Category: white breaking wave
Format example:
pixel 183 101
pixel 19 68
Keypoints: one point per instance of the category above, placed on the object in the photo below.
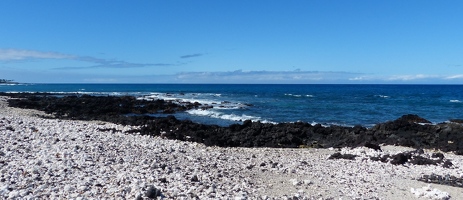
pixel 455 101
pixel 231 117
pixel 194 97
pixel 76 93
pixel 298 95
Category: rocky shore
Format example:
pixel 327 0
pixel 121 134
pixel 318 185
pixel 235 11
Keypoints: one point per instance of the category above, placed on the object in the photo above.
pixel 409 130
pixel 46 155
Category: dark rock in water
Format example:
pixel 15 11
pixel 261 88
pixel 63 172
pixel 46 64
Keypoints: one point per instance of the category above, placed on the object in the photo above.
pixel 459 121
pixel 88 107
pixel 413 119
pixel 342 156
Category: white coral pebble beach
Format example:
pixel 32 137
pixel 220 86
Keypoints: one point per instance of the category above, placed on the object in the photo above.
pixel 62 159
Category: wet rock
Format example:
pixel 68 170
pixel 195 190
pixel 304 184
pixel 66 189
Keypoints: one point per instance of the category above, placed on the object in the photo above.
pixel 413 119
pixel 459 121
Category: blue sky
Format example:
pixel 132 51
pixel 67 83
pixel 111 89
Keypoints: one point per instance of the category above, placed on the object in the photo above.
pixel 237 41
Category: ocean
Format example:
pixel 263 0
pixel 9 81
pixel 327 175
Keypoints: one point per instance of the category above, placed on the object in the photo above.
pixel 345 105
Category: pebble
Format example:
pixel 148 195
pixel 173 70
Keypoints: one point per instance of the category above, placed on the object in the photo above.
pixel 63 159
pixel 428 192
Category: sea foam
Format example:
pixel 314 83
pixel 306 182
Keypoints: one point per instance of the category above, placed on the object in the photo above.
pixel 230 117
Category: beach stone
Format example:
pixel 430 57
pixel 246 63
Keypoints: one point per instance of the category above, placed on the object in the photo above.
pixel 307 182
pixel 68 188
pixel 241 196
pixel 338 155
pixel 152 192
pixel 295 182
pixel 399 159
pixel 447 164
pixel 428 192
pixel 194 178
pixel 13 194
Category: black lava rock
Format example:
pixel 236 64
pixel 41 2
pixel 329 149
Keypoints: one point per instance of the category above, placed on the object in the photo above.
pixel 194 178
pixel 342 156
pixel 399 159
pixel 442 180
pixel 152 192
pixel 373 146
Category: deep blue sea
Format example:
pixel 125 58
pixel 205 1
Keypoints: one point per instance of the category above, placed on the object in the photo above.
pixel 345 105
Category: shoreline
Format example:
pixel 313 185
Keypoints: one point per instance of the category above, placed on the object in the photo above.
pixel 366 105
pixel 59 158
pixel 409 130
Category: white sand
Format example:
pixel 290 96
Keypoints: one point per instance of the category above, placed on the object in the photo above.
pixel 61 159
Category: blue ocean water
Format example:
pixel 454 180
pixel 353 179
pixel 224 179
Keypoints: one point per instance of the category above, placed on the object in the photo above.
pixel 345 105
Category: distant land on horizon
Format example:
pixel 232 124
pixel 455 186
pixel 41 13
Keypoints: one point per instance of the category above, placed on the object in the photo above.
pixel 6 81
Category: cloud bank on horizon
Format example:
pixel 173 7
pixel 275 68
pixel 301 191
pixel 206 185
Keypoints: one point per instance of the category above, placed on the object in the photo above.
pixel 300 42
pixel 296 76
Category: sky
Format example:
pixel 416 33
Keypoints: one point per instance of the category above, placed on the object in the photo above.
pixel 232 41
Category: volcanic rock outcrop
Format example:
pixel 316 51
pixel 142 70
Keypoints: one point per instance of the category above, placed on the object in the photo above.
pixel 408 130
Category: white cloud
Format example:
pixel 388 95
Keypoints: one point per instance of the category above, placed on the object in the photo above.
pixel 20 54
pixel 313 76
pixel 457 76
pixel 299 76
pixel 24 55
pixel 408 78
pixel 240 76
pixel 362 78
pixel 411 77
